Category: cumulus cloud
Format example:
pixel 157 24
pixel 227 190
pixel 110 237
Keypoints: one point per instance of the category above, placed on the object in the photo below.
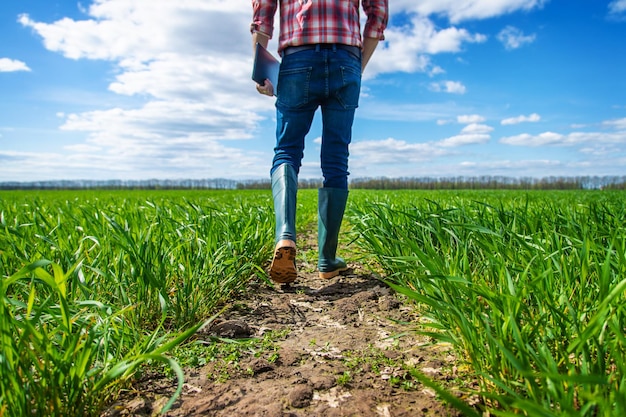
pixel 601 151
pixel 452 87
pixel 547 167
pixel 408 48
pixel 139 31
pixel 558 139
pixel 525 139
pixel 521 119
pixel 616 124
pixel 504 165
pixel 12 65
pixel 606 149
pixel 93 162
pixel 366 155
pixel 189 65
pixel 513 38
pixel 465 139
pixel 617 7
pixel 472 134
pixel 460 10
pixel 530 167
pixel 470 118
pixel 391 151
pixel 407 112
pixel 436 70
pixel 477 128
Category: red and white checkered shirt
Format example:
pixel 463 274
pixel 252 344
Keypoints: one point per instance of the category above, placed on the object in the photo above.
pixel 306 22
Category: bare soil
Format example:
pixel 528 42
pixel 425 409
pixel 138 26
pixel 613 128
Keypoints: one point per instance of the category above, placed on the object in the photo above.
pixel 345 352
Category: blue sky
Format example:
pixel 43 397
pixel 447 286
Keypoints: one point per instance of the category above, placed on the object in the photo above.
pixel 133 89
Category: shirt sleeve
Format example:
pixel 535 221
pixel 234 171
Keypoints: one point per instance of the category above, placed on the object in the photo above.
pixel 263 12
pixel 377 12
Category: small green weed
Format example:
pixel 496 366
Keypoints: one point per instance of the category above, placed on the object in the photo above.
pixel 344 379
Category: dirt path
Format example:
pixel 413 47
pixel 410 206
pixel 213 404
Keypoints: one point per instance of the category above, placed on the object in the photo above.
pixel 338 357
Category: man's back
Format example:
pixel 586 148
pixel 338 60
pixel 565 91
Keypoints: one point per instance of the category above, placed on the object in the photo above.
pixel 309 22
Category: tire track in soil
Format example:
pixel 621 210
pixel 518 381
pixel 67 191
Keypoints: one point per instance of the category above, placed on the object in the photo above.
pixel 328 322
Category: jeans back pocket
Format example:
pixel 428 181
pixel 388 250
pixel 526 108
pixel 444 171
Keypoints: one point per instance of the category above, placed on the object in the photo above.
pixel 293 86
pixel 349 93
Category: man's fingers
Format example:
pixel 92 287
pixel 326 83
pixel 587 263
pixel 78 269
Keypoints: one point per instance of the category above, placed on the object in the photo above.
pixel 267 88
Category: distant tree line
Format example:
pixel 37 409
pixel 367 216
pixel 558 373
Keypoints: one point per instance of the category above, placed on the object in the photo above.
pixel 492 182
pixel 482 182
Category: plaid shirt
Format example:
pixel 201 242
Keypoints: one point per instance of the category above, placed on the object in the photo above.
pixel 306 22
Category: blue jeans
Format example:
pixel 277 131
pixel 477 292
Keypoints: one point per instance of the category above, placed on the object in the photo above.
pixel 326 78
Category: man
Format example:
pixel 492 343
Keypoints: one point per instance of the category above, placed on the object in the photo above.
pixel 323 56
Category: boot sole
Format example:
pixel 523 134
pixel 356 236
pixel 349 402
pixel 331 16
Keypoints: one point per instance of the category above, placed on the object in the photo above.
pixel 332 274
pixel 283 269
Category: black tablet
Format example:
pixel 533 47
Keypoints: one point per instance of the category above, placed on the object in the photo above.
pixel 265 67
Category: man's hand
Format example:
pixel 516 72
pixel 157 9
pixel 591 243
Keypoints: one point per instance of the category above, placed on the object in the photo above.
pixel 266 89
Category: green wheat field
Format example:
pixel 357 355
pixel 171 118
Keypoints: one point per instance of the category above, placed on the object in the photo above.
pixel 529 287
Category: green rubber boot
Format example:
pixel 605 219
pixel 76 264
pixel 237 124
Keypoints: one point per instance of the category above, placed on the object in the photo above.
pixel 331 206
pixel 284 190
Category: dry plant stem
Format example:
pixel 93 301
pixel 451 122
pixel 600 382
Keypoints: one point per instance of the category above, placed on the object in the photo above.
pixel 283 269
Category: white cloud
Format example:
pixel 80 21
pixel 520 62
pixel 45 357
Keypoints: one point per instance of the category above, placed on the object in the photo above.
pixel 407 48
pixel 617 7
pixel 369 153
pixel 616 124
pixel 407 112
pixel 189 65
pixel 122 29
pixel 164 119
pixel 513 38
pixel 12 65
pixel 525 139
pixel 436 70
pixel 464 139
pixel 185 157
pixel 521 119
pixel 472 134
pixel 402 158
pixel 460 10
pixel 452 87
pixel 169 135
pixel 575 138
pixel 470 118
pixel 83 148
pixel 391 151
pixel 520 167
pixel 477 128
pixel 601 150
pixel 544 167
